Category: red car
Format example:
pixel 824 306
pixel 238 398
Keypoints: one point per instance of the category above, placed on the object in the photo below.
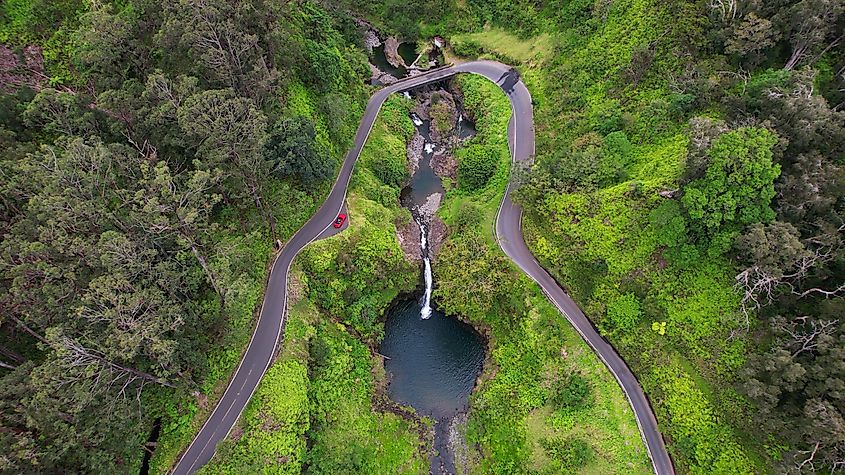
pixel 339 221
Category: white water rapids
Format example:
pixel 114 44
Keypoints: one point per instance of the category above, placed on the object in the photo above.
pixel 425 312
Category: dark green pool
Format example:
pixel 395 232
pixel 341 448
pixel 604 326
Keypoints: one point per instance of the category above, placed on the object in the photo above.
pixel 433 363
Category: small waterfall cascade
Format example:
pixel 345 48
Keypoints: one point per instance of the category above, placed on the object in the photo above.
pixel 425 312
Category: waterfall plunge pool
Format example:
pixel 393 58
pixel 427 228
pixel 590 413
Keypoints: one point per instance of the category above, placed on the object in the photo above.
pixel 433 362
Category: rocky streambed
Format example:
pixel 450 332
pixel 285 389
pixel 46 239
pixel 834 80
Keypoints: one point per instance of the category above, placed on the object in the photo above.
pixel 434 359
pixel 440 127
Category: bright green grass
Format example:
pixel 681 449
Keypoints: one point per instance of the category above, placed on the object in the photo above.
pixel 608 425
pixel 347 435
pixel 500 41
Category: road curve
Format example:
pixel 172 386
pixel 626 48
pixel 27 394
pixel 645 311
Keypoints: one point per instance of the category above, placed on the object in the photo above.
pixel 265 338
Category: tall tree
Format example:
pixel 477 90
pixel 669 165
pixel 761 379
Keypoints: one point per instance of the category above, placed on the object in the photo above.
pixel 61 113
pixel 738 185
pixel 798 387
pixel 810 24
pixel 293 150
pixel 229 133
pixel 179 206
pixel 224 40
pixel 107 50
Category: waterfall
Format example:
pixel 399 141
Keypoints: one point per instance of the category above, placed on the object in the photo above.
pixel 425 312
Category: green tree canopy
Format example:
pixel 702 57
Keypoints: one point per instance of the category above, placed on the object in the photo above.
pixel 476 164
pixel 738 186
pixel 293 150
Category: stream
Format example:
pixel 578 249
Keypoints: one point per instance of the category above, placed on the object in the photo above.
pixel 379 59
pixel 433 360
pixel 408 52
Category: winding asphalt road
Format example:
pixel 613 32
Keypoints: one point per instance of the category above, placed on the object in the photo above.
pixel 262 345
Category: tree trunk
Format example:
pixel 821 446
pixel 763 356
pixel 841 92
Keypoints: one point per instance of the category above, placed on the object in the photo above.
pixel 212 277
pixel 84 357
pixel 831 45
pixel 797 55
pixel 29 330
pixel 7 366
pixel 12 354
pixel 271 220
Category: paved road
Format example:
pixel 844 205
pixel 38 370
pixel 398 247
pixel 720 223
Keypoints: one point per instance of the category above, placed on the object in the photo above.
pixel 509 235
pixel 264 340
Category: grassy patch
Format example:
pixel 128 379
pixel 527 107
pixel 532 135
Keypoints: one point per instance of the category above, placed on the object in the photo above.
pixel 347 436
pixel 606 423
pixel 501 43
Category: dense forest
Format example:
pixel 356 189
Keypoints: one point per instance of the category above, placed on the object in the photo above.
pixel 152 152
pixel 688 191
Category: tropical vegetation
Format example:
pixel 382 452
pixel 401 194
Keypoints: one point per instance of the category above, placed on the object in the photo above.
pixel 687 191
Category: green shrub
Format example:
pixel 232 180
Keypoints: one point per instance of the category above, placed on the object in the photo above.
pixel 669 224
pixel 572 392
pixel 391 170
pixel 476 164
pixel 469 263
pixel 468 216
pixel 623 313
pixel 738 186
pixel 683 256
pixel 571 453
pixel 467 47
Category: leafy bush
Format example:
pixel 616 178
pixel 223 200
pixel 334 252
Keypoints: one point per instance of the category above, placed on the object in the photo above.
pixel 469 263
pixel 467 47
pixel 390 169
pixel 669 224
pixel 570 454
pixel 275 424
pixel 738 185
pixel 385 152
pixel 292 148
pixel 623 312
pixel 468 216
pixel 616 152
pixel 572 392
pixel 476 165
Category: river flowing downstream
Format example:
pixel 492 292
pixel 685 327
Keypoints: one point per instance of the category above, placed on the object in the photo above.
pixel 433 360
